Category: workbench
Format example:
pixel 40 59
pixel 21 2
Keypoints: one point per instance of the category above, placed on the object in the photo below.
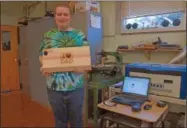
pixel 115 91
pixel 123 115
pixel 97 83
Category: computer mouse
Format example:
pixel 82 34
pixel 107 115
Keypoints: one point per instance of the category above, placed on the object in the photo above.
pixel 147 107
pixel 161 104
pixel 136 107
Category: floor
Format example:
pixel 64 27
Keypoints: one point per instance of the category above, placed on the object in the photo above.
pixel 17 110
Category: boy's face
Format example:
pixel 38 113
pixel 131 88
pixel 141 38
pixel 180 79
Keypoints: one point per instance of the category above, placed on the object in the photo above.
pixel 62 17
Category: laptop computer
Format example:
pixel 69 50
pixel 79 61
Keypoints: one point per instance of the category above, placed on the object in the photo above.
pixel 134 90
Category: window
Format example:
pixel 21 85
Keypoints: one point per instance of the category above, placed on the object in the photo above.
pixel 153 21
pixel 154 16
pixel 6 43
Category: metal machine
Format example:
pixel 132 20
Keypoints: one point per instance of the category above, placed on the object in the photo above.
pixel 108 69
pixel 166 80
pixel 119 58
pixel 103 75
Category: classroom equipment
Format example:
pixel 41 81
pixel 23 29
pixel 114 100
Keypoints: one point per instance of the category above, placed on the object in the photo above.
pixel 166 80
pixel 135 91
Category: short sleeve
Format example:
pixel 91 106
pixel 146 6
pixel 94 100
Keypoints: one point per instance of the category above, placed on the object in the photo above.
pixel 84 39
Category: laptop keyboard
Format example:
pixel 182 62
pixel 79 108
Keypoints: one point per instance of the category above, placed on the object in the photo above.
pixel 127 100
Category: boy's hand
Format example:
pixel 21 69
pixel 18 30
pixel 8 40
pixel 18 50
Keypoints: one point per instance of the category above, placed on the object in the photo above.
pixel 44 73
pixel 78 70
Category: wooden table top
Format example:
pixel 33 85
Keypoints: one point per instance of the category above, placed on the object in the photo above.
pixel 151 115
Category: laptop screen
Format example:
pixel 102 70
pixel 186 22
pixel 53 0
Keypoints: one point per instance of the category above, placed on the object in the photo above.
pixel 136 85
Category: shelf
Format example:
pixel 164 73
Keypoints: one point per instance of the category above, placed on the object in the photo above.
pixel 167 50
pixel 148 51
pixel 155 30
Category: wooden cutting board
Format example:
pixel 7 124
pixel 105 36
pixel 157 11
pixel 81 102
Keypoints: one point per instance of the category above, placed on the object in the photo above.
pixel 66 59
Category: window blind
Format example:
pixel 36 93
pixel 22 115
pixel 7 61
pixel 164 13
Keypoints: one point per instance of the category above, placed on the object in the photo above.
pixel 141 8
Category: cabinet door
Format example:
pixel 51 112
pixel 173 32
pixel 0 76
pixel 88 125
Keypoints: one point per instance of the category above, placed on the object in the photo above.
pixel 9 59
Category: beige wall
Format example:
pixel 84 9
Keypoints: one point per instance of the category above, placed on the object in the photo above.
pixel 10 12
pixel 8 20
pixel 110 40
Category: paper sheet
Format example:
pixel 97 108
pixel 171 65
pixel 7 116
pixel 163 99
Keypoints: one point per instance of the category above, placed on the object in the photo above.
pixel 95 21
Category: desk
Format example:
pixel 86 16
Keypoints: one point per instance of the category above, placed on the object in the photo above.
pixel 114 91
pixel 150 117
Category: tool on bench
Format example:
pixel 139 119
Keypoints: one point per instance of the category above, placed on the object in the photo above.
pixel 123 47
pixel 161 104
pixel 165 45
pixel 147 107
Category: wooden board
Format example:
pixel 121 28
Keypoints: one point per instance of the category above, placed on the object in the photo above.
pixel 66 59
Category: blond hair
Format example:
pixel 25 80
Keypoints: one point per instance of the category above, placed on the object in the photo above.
pixel 64 6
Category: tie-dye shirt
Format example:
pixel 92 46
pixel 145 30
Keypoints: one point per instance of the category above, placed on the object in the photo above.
pixel 65 81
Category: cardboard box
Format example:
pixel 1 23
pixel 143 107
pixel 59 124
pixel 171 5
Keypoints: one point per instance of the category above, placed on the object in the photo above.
pixel 66 59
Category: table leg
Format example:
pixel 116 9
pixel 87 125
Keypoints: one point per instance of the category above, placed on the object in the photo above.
pixel 185 120
pixel 95 108
pixel 146 125
pixel 102 123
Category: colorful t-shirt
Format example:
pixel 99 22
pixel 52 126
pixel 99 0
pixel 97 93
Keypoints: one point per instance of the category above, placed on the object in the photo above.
pixel 54 38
